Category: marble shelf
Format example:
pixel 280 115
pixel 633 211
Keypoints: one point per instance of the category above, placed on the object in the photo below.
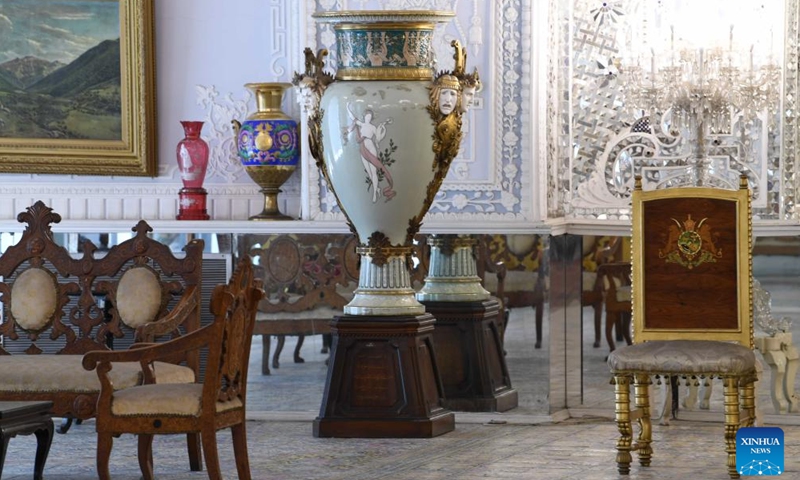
pixel 557 226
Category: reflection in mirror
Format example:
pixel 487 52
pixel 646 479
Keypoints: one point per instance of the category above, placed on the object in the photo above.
pixel 309 277
pixel 776 271
pixel 599 335
pixel 526 294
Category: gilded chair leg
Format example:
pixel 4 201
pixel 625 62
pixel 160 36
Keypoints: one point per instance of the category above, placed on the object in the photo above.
pixel 642 397
pixel 146 456
pixel 731 402
pixel 195 454
pixel 623 415
pixel 239 434
pixel 209 440
pixel 749 402
pixel 104 443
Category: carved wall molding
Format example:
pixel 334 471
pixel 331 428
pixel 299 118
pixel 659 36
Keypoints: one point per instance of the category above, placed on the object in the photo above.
pixel 126 201
pixel 595 145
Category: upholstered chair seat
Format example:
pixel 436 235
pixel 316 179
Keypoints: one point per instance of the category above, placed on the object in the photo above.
pixel 683 357
pixel 165 399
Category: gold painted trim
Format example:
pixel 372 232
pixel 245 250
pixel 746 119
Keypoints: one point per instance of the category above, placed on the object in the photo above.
pixel 387 251
pixel 378 14
pixel 385 73
pixel 383 293
pixel 455 242
pixel 272 167
pixel 422 26
pixel 744 333
pixel 135 153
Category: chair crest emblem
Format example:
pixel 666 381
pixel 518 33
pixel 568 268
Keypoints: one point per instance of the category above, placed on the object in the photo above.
pixel 690 243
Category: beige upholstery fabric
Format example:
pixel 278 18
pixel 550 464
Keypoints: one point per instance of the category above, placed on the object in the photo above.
pixel 65 373
pixel 624 294
pixel 588 280
pixel 683 357
pixel 171 373
pixel 33 298
pixel 138 296
pixel 164 399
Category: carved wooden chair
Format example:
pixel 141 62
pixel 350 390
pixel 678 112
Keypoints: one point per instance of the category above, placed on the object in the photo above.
pixel 219 402
pixel 692 308
pixel 597 251
pixel 615 281
pixel 521 276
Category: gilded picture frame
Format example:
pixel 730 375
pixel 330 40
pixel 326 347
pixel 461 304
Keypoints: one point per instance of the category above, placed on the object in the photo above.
pixel 74 115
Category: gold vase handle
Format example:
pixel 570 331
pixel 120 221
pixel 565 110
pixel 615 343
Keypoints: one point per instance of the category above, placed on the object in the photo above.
pixel 237 125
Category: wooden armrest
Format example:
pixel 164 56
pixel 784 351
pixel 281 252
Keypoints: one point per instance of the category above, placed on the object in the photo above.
pixel 157 351
pixel 187 304
pixel 618 270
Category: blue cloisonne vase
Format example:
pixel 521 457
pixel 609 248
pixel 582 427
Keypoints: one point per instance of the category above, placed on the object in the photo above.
pixel 268 146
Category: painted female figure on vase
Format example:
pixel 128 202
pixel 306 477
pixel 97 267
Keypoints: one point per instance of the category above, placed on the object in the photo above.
pixel 369 136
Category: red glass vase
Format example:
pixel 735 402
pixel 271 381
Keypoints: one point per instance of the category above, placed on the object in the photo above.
pixel 192 154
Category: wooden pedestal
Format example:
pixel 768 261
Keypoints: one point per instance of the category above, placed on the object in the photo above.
pixel 469 350
pixel 383 380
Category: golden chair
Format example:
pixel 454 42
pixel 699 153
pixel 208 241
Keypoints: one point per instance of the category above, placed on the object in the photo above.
pixel 692 310
pixel 204 408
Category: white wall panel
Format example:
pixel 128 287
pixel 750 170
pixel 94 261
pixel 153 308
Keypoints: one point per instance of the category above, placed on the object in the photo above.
pixel 206 50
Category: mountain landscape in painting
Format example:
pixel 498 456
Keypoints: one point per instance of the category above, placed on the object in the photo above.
pixel 50 99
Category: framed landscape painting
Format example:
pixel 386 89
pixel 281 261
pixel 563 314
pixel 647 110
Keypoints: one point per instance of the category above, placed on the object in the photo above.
pixel 77 87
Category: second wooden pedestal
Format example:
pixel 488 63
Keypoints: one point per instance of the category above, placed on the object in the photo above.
pixel 469 350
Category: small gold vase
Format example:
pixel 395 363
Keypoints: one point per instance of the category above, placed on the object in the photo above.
pixel 268 146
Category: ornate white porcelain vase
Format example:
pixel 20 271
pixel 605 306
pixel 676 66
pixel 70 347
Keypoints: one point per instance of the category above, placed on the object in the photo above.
pixel 384 133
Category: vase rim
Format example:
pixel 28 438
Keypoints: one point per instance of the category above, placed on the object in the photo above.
pixel 268 85
pixel 372 16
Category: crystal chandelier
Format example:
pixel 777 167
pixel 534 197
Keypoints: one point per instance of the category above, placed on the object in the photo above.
pixel 700 91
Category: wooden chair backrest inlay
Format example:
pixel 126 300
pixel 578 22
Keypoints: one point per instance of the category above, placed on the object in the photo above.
pixel 692 265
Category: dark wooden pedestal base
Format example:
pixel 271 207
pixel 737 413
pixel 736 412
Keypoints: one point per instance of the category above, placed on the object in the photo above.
pixel 469 350
pixel 383 380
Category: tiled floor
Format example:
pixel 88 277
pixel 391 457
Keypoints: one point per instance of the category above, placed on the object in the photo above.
pixel 577 449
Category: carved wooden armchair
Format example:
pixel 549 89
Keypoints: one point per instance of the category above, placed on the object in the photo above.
pixel 692 308
pixel 615 281
pixel 597 251
pixel 218 402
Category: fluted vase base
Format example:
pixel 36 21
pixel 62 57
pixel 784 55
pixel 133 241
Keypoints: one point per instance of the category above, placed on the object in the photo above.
pixel 384 285
pixel 453 272
pixel 384 304
pixel 453 290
